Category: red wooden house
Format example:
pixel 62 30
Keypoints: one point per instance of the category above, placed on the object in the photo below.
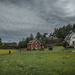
pixel 33 44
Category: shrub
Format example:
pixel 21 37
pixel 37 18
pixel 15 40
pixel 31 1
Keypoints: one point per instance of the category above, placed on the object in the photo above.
pixel 30 49
pixel 41 49
pixel 58 44
pixel 34 49
pixel 70 46
pixel 65 44
pixel 50 47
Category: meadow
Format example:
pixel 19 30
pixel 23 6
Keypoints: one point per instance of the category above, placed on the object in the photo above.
pixel 6 51
pixel 58 61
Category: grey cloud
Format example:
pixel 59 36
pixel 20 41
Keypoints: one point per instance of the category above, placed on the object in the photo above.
pixel 22 17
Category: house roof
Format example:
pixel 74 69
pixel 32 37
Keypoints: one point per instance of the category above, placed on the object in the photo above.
pixel 69 36
pixel 33 41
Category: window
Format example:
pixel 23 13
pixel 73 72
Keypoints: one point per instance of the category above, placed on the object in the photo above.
pixel 73 42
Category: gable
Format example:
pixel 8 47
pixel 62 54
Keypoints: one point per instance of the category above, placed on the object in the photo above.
pixel 36 41
pixel 70 36
pixel 32 41
pixel 67 37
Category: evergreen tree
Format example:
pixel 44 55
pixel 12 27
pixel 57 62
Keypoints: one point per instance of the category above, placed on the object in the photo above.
pixel 1 42
pixel 74 27
pixel 62 31
pixel 38 36
pixel 31 37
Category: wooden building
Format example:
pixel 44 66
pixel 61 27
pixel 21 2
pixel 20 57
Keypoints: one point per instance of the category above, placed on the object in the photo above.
pixel 33 44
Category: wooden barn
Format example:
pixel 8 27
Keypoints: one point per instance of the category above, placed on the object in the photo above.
pixel 33 44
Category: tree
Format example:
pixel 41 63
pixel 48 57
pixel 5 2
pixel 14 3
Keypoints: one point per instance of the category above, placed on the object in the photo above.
pixel 38 36
pixel 65 44
pixel 28 39
pixel 68 29
pixel 10 45
pixel 51 34
pixel 31 37
pixel 22 44
pixel 44 35
pixel 1 42
pixel 74 27
pixel 62 31
pixel 55 33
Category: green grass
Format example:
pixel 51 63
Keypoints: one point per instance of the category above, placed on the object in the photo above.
pixel 6 51
pixel 56 62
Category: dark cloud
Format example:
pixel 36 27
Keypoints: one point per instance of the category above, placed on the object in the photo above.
pixel 19 18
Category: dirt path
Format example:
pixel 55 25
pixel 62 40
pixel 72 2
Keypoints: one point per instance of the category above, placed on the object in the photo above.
pixel 7 54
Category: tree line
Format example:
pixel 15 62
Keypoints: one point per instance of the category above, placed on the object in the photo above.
pixel 63 31
pixel 7 45
pixel 55 38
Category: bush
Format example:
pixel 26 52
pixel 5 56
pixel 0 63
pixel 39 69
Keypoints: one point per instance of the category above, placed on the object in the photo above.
pixel 41 49
pixel 70 46
pixel 30 49
pixel 34 49
pixel 65 44
pixel 50 47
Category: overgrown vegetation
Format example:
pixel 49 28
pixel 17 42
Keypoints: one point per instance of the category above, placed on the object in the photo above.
pixel 34 49
pixel 56 62
pixel 65 44
pixel 50 47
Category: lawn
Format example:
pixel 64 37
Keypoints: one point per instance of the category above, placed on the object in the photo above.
pixel 56 62
pixel 6 51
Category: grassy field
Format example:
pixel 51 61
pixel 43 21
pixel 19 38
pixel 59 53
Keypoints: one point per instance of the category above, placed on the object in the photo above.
pixel 56 62
pixel 6 51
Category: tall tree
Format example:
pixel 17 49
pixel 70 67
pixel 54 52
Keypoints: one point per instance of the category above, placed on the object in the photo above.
pixel 22 44
pixel 51 34
pixel 1 42
pixel 74 27
pixel 31 37
pixel 62 31
pixel 38 36
pixel 44 35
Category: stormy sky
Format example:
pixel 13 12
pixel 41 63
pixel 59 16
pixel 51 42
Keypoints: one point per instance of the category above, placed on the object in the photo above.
pixel 20 18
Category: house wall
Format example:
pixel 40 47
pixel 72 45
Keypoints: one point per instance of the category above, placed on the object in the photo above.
pixel 28 46
pixel 36 45
pixel 72 40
